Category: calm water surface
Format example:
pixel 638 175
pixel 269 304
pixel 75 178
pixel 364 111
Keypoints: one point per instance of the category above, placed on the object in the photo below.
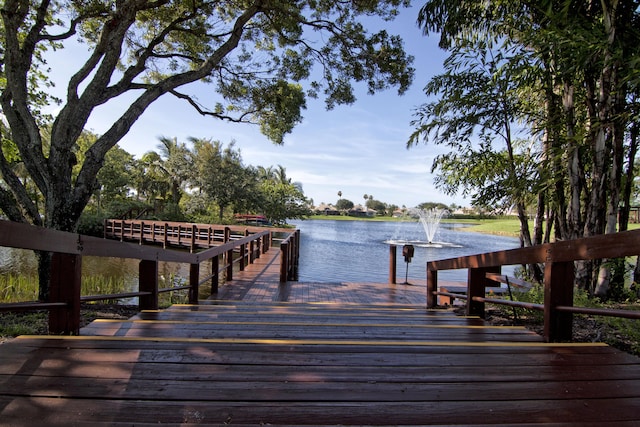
pixel 357 250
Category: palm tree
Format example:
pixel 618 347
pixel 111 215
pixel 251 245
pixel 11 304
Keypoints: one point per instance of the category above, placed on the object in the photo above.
pixel 176 162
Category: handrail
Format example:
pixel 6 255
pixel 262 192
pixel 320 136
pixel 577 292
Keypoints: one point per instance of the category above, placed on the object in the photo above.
pixel 289 255
pixel 558 258
pixel 69 248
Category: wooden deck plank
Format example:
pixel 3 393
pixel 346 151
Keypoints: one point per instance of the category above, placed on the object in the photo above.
pixel 577 412
pixel 105 368
pixel 283 363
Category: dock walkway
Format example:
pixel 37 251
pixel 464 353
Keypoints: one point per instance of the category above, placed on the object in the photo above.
pixel 265 353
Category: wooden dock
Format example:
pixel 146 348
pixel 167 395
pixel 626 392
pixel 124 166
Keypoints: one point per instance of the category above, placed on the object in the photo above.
pixel 300 354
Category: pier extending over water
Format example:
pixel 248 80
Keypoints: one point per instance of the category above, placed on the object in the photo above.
pixel 288 353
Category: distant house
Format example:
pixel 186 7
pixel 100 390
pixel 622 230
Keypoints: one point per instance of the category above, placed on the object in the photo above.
pixel 326 209
pixel 361 211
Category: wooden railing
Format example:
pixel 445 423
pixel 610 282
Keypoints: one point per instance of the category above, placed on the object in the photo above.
pixel 558 259
pixel 289 255
pixel 69 248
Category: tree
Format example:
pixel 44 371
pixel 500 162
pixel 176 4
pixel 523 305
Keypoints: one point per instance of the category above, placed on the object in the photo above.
pixel 221 175
pixel 176 164
pixel 478 102
pixel 377 206
pixel 575 68
pixel 150 179
pixel 344 205
pixel 254 54
pixel 281 199
pixel 116 176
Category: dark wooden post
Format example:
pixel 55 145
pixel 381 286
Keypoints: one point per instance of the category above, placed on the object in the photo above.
pixel 227 238
pixel 393 256
pixel 252 249
pixel 215 274
pixel 148 282
pixel 192 245
pixel 284 261
pixel 65 286
pixel 166 235
pixel 297 254
pixel 476 288
pixel 558 290
pixel 243 252
pixel 141 240
pixel 267 242
pixel 432 286
pixel 258 247
pixel 194 279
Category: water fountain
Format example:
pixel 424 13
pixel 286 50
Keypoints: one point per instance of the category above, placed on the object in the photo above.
pixel 430 221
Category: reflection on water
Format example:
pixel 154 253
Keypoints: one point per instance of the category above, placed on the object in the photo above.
pixel 357 250
pixel 330 251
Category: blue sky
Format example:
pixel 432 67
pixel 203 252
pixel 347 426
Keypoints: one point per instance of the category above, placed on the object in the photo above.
pixel 357 149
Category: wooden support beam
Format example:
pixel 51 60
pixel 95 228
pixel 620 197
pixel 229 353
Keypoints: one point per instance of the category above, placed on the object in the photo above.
pixel 393 256
pixel 558 291
pixel 194 283
pixel 148 282
pixel 229 260
pixel 432 286
pixel 284 262
pixel 215 274
pixel 64 287
pixel 477 283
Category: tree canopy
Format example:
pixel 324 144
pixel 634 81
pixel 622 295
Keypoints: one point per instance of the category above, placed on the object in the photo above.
pixel 564 72
pixel 255 56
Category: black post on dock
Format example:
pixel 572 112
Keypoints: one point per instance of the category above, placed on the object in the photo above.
pixel 392 264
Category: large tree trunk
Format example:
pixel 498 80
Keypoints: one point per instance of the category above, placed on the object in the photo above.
pixel 574 166
pixel 623 222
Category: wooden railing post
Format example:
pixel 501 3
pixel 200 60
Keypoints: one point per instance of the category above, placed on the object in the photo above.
pixel 266 242
pixel 65 286
pixel 148 282
pixel 192 245
pixel 297 255
pixel 558 290
pixel 393 256
pixel 215 274
pixel 141 240
pixel 258 247
pixel 194 279
pixel 284 261
pixel 229 260
pixel 432 286
pixel 476 288
pixel 166 236
pixel 243 253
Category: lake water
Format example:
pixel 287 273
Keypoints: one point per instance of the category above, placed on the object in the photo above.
pixel 331 251
pixel 357 250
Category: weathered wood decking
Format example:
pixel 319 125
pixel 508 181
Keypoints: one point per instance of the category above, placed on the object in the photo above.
pixel 263 360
